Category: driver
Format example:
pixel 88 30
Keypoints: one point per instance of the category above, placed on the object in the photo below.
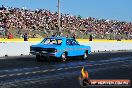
pixel 52 42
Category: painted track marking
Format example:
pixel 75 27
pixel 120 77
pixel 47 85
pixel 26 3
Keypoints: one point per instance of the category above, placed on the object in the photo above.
pixel 51 70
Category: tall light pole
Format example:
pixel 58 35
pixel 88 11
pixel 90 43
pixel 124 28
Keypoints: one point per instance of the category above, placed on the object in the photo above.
pixel 58 17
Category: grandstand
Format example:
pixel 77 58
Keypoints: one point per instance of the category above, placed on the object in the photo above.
pixel 42 23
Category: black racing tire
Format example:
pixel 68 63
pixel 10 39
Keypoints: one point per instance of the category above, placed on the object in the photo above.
pixel 64 57
pixel 85 55
pixel 43 59
pixel 38 58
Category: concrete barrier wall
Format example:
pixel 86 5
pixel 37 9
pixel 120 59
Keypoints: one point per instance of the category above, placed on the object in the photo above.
pixel 23 48
pixel 104 46
pixel 15 48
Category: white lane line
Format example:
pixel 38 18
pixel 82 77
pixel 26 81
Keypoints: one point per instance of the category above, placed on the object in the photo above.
pixel 26 83
pixel 77 67
pixel 59 68
pixel 91 65
pixel 34 72
pixel 12 75
pixel 6 70
pixel 27 73
pixel 32 82
pixel 109 63
pixel 125 65
pixel 3 76
pixel 19 74
pixel 43 71
pixel 17 70
pixel 38 71
pixel 65 68
pixel 52 70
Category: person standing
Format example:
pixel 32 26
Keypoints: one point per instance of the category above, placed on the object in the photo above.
pixel 90 38
pixel 25 37
pixel 74 36
pixel 10 36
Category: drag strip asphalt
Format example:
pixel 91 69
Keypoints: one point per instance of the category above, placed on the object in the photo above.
pixel 35 71
pixel 65 66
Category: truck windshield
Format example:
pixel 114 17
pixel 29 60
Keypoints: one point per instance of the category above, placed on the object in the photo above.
pixel 52 41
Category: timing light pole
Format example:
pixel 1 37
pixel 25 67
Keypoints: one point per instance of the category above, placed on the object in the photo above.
pixel 58 17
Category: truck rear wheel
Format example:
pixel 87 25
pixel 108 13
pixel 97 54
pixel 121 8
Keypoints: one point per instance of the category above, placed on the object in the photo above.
pixel 38 58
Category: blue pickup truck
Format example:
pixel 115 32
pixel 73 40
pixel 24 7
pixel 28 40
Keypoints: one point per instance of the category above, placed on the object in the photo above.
pixel 59 47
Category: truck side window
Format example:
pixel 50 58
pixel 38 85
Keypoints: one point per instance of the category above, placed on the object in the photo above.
pixel 74 42
pixel 68 42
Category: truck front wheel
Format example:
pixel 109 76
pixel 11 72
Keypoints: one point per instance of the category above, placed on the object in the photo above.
pixel 64 57
pixel 85 55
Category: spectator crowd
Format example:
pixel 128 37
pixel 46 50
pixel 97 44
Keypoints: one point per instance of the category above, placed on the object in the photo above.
pixel 46 22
